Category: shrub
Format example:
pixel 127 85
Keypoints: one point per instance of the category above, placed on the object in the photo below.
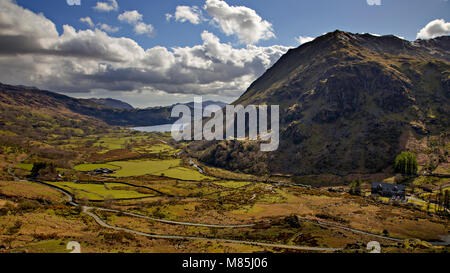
pixel 355 187
pixel 14 229
pixel 28 205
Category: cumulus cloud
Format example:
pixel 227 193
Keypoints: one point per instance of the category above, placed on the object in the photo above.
pixel 32 52
pixel 108 28
pixel 88 21
pixel 242 21
pixel 303 39
pixel 111 5
pixel 373 2
pixel 131 17
pixel 434 29
pixel 186 14
pixel 143 28
pixel 135 18
pixel 105 27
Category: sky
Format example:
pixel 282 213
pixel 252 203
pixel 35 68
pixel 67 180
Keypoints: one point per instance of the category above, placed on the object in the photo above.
pixel 150 53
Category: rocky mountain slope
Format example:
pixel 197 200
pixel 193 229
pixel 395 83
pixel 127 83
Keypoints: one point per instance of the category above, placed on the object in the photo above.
pixel 349 104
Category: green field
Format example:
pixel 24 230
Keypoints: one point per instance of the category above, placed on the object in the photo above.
pixel 115 143
pixel 160 148
pixel 91 167
pixel 232 184
pixel 27 167
pixel 182 174
pixel 99 192
pixel 139 168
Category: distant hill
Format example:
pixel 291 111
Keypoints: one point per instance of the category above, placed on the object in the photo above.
pixel 43 100
pixel 113 103
pixel 110 111
pixel 349 104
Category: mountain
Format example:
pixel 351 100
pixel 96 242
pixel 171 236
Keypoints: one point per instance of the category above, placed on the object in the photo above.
pixel 349 103
pixel 28 114
pixel 111 111
pixel 113 103
pixel 32 97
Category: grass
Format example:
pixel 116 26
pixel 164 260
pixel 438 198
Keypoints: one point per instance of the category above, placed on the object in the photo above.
pixel 99 192
pixel 29 190
pixel 182 173
pixel 91 167
pixel 115 143
pixel 27 167
pixel 140 168
pixel 160 148
pixel 49 246
pixel 232 184
pixel 432 181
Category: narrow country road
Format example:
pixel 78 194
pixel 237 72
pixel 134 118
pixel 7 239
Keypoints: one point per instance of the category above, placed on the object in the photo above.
pixel 357 231
pixel 87 210
pixel 174 222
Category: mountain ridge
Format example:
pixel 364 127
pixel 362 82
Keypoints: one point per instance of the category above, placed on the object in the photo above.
pixel 349 103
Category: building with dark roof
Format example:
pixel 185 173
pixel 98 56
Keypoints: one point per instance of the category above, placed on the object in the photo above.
pixel 389 190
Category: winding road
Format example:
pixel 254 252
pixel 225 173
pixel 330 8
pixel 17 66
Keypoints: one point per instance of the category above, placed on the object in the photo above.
pixel 173 222
pixel 88 211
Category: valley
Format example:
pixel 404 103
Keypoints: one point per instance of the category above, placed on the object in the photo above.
pixel 155 200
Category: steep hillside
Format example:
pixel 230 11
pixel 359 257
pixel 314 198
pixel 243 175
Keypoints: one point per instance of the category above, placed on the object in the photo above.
pixel 349 104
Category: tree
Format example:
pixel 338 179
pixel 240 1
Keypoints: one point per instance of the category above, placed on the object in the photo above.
pixel 406 163
pixel 355 187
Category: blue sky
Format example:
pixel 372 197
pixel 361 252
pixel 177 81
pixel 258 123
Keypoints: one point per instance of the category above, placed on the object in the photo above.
pixel 290 18
pixel 175 49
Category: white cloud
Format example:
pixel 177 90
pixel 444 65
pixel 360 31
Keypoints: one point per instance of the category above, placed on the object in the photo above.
pixel 105 27
pixel 373 2
pixel 33 53
pixel 187 14
pixel 88 21
pixel 131 17
pixel 135 18
pixel 434 29
pixel 143 28
pixel 303 39
pixel 111 5
pixel 242 21
pixel 108 28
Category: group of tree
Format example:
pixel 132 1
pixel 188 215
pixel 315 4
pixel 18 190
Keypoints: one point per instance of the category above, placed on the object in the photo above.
pixel 406 163
pixel 442 200
pixel 43 169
